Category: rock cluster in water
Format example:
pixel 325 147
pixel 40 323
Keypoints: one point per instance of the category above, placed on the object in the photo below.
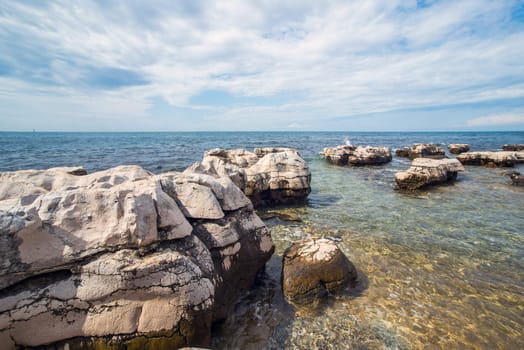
pixel 351 155
pixel 457 148
pixel 271 175
pixel 491 159
pixel 425 171
pixel 122 255
pixel 312 268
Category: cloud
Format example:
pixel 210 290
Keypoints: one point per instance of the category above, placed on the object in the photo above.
pixel 498 119
pixel 266 60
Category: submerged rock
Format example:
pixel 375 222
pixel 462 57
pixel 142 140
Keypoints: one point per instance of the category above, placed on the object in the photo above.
pixel 489 159
pixel 312 268
pixel 267 176
pixel 517 179
pixel 122 255
pixel 424 172
pixel 368 155
pixel 426 150
pixel 457 148
pixel 513 147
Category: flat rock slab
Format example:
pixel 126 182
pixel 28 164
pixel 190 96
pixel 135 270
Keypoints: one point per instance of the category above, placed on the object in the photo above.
pixel 426 171
pixel 490 159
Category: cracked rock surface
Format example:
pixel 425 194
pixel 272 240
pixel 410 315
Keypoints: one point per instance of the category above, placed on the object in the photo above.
pixel 426 171
pixel 312 268
pixel 268 176
pixel 351 155
pixel 122 256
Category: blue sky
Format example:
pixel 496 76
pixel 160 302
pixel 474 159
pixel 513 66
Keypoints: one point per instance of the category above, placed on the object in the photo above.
pixel 261 65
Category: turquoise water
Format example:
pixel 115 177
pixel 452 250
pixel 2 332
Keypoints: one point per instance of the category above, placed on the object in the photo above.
pixel 439 269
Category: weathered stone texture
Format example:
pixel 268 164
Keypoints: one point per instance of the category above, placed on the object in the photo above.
pixel 312 268
pixel 267 176
pixel 425 171
pixel 351 155
pixel 120 255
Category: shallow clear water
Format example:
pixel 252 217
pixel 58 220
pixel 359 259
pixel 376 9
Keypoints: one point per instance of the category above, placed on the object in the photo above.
pixel 440 268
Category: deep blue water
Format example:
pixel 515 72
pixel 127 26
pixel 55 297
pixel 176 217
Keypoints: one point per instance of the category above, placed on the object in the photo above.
pixel 441 268
pixel 161 151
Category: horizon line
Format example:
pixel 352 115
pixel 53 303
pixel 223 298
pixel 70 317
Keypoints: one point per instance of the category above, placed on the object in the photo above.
pixel 246 131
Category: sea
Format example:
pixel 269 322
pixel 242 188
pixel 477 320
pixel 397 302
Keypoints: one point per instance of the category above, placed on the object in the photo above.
pixel 440 268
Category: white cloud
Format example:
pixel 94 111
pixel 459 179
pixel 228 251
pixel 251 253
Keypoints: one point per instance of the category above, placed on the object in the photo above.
pixel 498 119
pixel 340 58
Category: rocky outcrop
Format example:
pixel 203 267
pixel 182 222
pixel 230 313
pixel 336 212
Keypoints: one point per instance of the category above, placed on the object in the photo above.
pixel 513 147
pixel 458 148
pixel 426 150
pixel 267 176
pixel 490 159
pixel 122 256
pixel 338 155
pixel 350 155
pixel 424 172
pixel 312 268
pixel 402 152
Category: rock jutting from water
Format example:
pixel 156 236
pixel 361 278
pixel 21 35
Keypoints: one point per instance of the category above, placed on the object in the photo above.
pixel 426 150
pixel 458 148
pixel 425 171
pixel 267 176
pixel 402 152
pixel 513 147
pixel 312 268
pixel 122 256
pixel 491 159
pixel 351 155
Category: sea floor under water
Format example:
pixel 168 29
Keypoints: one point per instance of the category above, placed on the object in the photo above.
pixel 441 268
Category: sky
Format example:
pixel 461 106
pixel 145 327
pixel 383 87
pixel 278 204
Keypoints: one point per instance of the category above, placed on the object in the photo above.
pixel 373 65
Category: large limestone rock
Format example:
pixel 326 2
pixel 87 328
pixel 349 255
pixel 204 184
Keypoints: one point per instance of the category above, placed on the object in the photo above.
pixel 351 155
pixel 370 155
pixel 513 147
pixel 338 155
pixel 490 159
pixel 312 268
pixel 122 255
pixel 425 171
pixel 426 150
pixel 457 148
pixel 267 176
